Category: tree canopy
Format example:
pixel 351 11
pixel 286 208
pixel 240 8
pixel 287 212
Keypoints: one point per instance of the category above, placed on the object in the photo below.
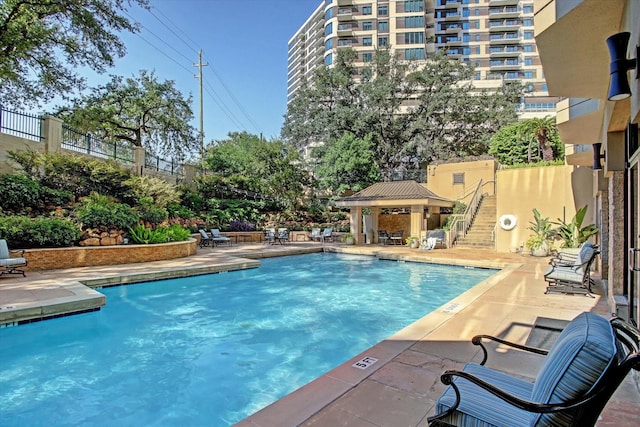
pixel 411 112
pixel 139 110
pixel 42 42
pixel 528 141
pixel 269 168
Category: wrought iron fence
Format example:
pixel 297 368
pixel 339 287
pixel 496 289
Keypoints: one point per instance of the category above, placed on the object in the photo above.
pixel 155 163
pixel 24 125
pixel 85 143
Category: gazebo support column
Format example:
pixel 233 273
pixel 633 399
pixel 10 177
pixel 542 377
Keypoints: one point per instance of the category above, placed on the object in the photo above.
pixel 417 214
pixel 375 214
pixel 356 224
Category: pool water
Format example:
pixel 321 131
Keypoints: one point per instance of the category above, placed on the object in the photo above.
pixel 211 350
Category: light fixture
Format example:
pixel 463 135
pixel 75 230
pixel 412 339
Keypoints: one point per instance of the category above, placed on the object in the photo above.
pixel 619 84
pixel 597 156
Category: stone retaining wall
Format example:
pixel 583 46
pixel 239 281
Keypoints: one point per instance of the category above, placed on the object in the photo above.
pixel 55 258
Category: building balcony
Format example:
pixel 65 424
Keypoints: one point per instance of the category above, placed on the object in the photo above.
pixel 503 26
pixel 504 13
pixel 450 4
pixel 345 16
pixel 505 39
pixel 345 2
pixel 503 52
pixel 503 3
pixel 505 65
pixel 345 32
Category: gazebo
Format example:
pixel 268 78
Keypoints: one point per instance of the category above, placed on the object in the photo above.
pixel 391 195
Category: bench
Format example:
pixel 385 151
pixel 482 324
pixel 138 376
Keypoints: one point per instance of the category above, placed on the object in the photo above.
pixel 583 368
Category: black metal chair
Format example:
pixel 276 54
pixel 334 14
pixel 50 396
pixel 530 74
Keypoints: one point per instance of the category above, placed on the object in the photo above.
pixel 581 371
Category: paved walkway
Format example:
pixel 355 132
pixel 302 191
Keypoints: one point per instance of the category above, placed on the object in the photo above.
pixel 399 389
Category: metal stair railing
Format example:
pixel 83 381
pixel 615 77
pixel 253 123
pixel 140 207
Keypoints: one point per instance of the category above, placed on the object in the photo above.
pixel 461 223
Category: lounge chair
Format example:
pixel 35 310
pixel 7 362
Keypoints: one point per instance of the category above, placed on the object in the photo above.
pixel 205 239
pixel 581 371
pixel 572 277
pixel 270 235
pixel 327 234
pixel 283 235
pixel 396 238
pixel 219 238
pixel 428 243
pixel 9 265
pixel 383 237
pixel 316 234
pixel 439 236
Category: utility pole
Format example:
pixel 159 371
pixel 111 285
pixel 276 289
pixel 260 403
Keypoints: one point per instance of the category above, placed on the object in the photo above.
pixel 199 77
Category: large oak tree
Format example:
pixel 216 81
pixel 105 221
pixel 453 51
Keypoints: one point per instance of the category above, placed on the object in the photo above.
pixel 43 42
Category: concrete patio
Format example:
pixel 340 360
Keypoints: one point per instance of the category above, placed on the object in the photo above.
pixel 401 387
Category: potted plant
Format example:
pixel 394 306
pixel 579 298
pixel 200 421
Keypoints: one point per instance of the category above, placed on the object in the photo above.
pixel 540 243
pixel 348 239
pixel 412 242
pixel 573 234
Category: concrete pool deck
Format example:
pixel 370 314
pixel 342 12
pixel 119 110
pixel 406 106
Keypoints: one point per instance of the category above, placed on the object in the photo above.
pixel 401 387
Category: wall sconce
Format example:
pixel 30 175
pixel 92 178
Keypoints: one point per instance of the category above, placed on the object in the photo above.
pixel 619 84
pixel 597 165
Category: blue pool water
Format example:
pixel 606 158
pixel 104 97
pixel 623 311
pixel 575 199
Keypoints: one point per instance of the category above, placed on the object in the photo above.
pixel 211 350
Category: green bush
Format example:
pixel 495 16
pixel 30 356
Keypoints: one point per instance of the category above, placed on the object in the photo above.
pixel 177 233
pixel 18 192
pixel 179 211
pixel 53 197
pixel 149 212
pixel 161 193
pixel 24 232
pixel 144 236
pixel 98 210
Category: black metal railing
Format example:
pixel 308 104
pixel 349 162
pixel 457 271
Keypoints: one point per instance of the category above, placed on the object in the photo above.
pixel 155 163
pixel 86 143
pixel 24 125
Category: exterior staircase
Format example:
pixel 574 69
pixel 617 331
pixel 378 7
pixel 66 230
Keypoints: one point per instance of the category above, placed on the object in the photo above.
pixel 480 233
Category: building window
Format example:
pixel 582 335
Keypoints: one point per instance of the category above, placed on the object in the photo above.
pixel 528 35
pixel 383 10
pixel 366 41
pixel 366 10
pixel 383 26
pixel 477 76
pixel 458 178
pixel 367 57
pixel 328 60
pixel 343 42
pixel 328 45
pixel 328 15
pixel 529 74
pixel 476 24
pixel 417 53
pixel 528 22
pixel 367 25
pixel 328 29
pixel 528 48
pixel 527 9
pixel 414 22
pixel 466 38
pixel 414 38
pixel 414 6
pixel 528 61
pixel 383 41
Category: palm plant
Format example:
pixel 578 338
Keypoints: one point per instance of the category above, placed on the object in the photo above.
pixel 542 232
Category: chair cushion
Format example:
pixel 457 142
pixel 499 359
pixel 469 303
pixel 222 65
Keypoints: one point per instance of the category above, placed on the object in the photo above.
pixel 478 407
pixel 585 254
pixel 4 249
pixel 565 274
pixel 12 262
pixel 579 357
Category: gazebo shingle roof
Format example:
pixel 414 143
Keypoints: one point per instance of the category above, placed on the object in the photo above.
pixel 394 190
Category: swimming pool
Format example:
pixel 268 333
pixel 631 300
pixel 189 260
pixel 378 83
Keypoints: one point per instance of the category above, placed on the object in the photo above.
pixel 211 350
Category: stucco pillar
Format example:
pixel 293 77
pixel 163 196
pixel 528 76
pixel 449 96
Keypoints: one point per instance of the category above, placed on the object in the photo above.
pixel 375 213
pixel 356 224
pixel 52 134
pixel 417 214
pixel 138 160
pixel 616 246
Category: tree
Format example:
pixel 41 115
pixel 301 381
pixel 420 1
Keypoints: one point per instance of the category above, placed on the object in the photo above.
pixel 347 164
pixel 270 168
pixel 43 41
pixel 514 144
pixel 411 112
pixel 140 110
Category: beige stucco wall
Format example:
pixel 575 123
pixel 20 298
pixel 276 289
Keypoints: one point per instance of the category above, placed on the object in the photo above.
pixel 557 192
pixel 440 178
pixel 13 143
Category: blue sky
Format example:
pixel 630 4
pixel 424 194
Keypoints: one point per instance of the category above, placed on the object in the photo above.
pixel 243 41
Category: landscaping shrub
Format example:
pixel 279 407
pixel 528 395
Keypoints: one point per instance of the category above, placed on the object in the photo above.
pixel 145 236
pixel 98 210
pixel 179 211
pixel 24 232
pixel 241 226
pixel 149 212
pixel 53 197
pixel 18 192
pixel 177 233
pixel 159 191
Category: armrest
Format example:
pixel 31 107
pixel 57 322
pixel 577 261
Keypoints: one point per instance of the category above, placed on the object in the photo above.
pixel 17 251
pixel 477 340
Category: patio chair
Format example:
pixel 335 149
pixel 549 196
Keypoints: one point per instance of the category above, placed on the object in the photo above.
pixel 218 238
pixel 428 243
pixel 383 237
pixel 580 373
pixel 396 238
pixel 270 235
pixel 9 265
pixel 205 239
pixel 283 235
pixel 316 234
pixel 327 234
pixel 439 236
pixel 572 277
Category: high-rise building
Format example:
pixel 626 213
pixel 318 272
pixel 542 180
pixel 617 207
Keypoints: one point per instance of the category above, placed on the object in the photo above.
pixel 495 36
